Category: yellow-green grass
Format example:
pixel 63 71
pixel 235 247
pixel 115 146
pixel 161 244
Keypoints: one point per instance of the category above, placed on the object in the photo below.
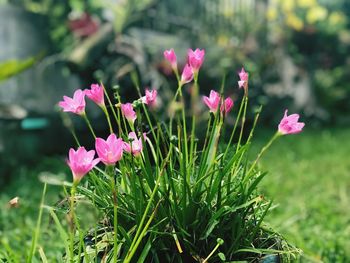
pixel 309 181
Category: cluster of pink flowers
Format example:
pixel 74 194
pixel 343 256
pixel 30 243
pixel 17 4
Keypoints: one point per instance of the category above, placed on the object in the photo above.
pixel 76 104
pixel 195 60
pixel 109 152
pixel 213 102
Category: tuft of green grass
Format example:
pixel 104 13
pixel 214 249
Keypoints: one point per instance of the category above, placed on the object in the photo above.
pixel 309 181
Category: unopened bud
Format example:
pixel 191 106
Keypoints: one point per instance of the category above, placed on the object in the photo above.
pixel 220 241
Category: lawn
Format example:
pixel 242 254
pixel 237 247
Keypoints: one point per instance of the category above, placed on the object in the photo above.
pixel 308 180
pixel 17 225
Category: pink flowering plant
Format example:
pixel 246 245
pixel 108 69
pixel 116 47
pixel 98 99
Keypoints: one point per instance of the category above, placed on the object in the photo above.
pixel 164 192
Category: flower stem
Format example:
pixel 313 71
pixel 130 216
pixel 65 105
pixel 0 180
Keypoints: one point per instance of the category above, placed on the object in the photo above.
pixel 219 243
pixel 274 137
pixel 104 109
pixel 115 213
pixel 37 229
pixel 185 156
pixel 194 101
pixel 176 73
pixel 110 103
pixel 72 227
pixel 243 122
pixel 234 128
pixel 89 124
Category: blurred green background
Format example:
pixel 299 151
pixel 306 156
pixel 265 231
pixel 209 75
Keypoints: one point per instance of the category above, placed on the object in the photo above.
pixel 297 54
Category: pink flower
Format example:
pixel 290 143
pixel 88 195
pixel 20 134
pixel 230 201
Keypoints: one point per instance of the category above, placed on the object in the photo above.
pixel 135 147
pixel 212 101
pixel 171 57
pixel 81 162
pixel 109 151
pixel 243 82
pixel 96 94
pixel 150 98
pixel 128 112
pixel 227 105
pixel 187 74
pixel 290 125
pixel 75 104
pixel 243 75
pixel 195 58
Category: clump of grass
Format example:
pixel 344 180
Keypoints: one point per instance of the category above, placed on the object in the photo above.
pixel 162 194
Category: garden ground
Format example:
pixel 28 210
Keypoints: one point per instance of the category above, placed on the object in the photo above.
pixel 308 179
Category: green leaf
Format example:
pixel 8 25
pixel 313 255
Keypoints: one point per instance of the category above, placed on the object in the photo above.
pixel 222 256
pixel 62 232
pixel 145 251
pixel 13 67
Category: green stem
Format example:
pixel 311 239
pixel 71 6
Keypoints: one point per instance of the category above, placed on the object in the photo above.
pixel 234 128
pixel 185 156
pixel 69 125
pixel 104 109
pixel 219 243
pixel 72 227
pixel 37 229
pixel 176 73
pixel 243 122
pixel 276 135
pixel 184 126
pixel 88 124
pixel 110 103
pixel 171 105
pixel 194 96
pixel 207 133
pixel 118 119
pixel 115 213
pixel 194 113
pixel 254 124
pixel 75 137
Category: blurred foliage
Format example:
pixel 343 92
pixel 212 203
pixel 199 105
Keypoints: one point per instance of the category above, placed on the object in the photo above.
pixel 131 35
pixel 318 37
pixel 13 67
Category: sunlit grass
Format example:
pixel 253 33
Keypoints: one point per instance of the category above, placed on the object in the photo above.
pixel 309 180
pixel 17 225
